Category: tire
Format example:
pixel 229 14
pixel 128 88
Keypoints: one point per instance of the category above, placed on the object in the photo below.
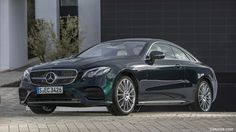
pixel 203 97
pixel 111 110
pixel 137 108
pixel 124 97
pixel 42 109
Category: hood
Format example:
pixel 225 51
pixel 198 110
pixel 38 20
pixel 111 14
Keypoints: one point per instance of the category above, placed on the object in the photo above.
pixel 83 63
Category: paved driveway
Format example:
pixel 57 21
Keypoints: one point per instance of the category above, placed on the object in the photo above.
pixel 14 117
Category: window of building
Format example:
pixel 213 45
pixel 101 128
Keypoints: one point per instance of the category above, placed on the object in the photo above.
pixel 69 2
pixel 68 8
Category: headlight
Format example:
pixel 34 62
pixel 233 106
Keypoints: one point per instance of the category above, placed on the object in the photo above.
pixel 96 72
pixel 26 76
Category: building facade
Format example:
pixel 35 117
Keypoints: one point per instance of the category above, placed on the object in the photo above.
pixel 13 25
pixel 13 34
pixel 206 28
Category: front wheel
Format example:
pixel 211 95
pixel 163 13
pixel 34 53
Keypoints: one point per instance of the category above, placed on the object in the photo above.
pixel 124 97
pixel 42 109
pixel 203 97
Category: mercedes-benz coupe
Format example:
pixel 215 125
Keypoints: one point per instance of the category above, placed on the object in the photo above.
pixel 121 74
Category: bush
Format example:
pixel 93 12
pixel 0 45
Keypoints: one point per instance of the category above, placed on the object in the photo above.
pixel 69 41
pixel 40 36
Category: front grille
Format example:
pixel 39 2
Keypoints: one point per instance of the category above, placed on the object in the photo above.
pixel 57 77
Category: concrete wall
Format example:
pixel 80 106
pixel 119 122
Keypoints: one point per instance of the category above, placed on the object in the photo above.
pixel 13 34
pixel 90 22
pixel 4 37
pixel 49 11
pixel 89 14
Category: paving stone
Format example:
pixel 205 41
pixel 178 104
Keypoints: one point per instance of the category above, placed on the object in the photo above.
pixel 81 127
pixel 23 127
pixel 101 127
pixel 4 128
pixel 13 128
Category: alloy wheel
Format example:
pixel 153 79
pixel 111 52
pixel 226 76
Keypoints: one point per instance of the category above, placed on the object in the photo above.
pixel 204 96
pixel 126 95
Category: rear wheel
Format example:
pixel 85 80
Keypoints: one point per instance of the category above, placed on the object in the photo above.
pixel 203 97
pixel 42 109
pixel 124 97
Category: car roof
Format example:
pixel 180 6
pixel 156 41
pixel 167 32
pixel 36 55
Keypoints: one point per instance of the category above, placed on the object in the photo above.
pixel 133 39
pixel 149 40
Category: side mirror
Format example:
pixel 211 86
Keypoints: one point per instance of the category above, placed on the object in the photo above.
pixel 156 55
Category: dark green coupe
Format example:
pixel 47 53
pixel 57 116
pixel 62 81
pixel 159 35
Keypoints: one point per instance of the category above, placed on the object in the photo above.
pixel 120 75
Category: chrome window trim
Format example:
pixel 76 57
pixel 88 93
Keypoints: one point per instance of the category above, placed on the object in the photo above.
pixel 146 54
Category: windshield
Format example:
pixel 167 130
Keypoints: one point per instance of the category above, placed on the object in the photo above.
pixel 111 49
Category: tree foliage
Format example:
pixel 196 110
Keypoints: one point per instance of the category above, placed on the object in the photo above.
pixel 67 43
pixel 39 37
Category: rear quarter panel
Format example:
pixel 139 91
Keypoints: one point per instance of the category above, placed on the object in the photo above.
pixel 197 71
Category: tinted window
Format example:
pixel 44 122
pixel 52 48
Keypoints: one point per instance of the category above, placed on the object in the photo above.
pixel 179 54
pixel 191 58
pixel 124 48
pixel 163 48
pixel 167 50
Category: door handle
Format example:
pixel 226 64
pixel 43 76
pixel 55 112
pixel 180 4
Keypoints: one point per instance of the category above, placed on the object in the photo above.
pixel 178 66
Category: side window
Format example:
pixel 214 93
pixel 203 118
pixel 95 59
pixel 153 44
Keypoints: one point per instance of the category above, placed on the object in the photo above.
pixel 179 54
pixel 191 58
pixel 163 48
pixel 167 50
pixel 154 47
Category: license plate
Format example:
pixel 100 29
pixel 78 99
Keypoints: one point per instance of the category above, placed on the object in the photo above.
pixel 49 90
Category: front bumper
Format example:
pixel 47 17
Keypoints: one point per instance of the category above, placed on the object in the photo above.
pixel 89 92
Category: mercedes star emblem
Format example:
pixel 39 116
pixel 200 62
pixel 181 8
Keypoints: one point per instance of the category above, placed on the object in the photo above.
pixel 51 77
